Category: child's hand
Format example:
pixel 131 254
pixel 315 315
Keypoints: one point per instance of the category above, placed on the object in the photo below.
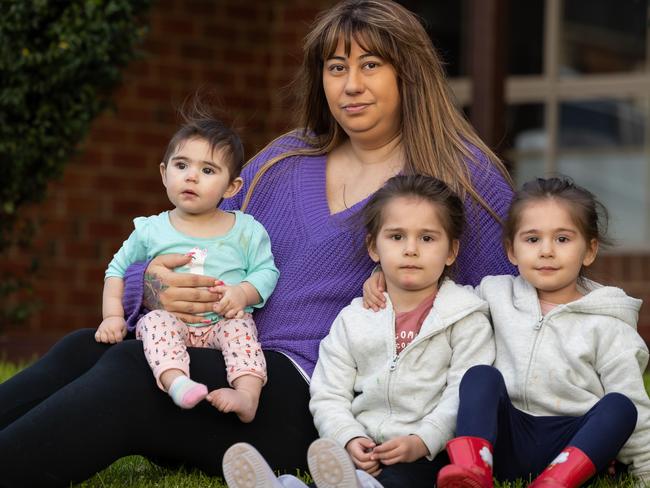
pixel 359 450
pixel 232 302
pixel 111 331
pixel 373 291
pixel 403 449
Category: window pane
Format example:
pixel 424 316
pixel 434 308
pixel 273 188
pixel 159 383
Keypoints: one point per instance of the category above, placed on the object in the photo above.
pixel 602 123
pixel 526 140
pixel 603 36
pixel 620 181
pixel 526 37
pixel 602 146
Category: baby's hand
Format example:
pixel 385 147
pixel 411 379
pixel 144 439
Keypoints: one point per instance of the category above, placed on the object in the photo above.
pixel 359 450
pixel 373 291
pixel 111 331
pixel 232 303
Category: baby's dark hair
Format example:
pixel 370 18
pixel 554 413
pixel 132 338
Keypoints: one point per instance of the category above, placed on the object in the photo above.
pixel 199 122
pixel 450 207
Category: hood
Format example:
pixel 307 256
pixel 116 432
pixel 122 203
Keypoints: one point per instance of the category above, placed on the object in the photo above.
pixel 452 304
pixel 598 300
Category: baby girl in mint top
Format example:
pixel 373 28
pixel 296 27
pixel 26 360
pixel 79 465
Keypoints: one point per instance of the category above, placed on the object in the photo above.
pixel 201 166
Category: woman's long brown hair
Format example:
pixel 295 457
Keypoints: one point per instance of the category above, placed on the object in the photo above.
pixel 435 137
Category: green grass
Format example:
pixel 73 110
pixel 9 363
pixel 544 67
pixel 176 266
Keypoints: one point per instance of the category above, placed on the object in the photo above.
pixel 138 472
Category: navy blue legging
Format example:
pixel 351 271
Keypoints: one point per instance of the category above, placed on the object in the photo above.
pixel 418 474
pixel 525 444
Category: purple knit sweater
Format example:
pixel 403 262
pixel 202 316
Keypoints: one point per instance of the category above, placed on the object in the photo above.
pixel 321 257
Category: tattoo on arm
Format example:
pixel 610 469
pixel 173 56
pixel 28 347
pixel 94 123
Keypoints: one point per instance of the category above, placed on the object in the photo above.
pixel 153 286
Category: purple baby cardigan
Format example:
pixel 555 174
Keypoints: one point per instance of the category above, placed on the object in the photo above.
pixel 321 257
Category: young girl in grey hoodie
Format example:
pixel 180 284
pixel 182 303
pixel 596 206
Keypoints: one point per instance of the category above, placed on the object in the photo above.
pixel 567 383
pixel 384 394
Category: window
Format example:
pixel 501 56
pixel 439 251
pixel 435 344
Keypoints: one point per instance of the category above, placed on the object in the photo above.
pixel 578 102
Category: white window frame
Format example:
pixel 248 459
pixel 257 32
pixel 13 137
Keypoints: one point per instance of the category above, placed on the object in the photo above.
pixel 550 90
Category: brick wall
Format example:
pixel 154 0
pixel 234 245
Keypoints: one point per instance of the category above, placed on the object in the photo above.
pixel 247 52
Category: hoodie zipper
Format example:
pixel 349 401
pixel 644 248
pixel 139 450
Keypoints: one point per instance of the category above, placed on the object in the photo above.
pixel 538 332
pixel 537 327
pixel 389 374
pixel 393 365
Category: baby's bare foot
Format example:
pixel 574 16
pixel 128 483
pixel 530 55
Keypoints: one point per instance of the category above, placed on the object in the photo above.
pixel 242 402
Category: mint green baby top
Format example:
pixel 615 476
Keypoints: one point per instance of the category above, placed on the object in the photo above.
pixel 242 254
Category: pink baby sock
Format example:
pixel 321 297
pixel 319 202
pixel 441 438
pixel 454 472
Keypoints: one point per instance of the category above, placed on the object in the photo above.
pixel 187 393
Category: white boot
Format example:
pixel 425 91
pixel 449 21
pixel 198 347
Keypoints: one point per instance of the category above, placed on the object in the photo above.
pixel 290 481
pixel 245 467
pixel 331 466
pixel 367 480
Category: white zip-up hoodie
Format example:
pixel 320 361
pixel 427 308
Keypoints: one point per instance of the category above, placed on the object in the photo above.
pixel 362 388
pixel 564 362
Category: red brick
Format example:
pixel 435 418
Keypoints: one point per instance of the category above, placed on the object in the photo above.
pixel 128 159
pixel 79 250
pixel 108 134
pixel 135 114
pixel 172 27
pixel 158 47
pixel 303 15
pixel 203 7
pixel 197 51
pixel 244 11
pixel 150 91
pixel 220 32
pixel 99 230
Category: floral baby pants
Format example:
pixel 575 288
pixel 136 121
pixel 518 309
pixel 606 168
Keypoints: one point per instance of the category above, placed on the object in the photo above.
pixel 165 339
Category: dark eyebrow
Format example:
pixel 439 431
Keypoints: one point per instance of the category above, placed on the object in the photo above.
pixel 183 158
pixel 344 58
pixel 424 231
pixel 536 231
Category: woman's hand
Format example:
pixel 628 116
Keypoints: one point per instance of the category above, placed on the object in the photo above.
pixel 111 331
pixel 402 449
pixel 183 294
pixel 360 449
pixel 373 291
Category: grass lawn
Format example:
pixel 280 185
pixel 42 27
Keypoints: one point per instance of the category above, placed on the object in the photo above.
pixel 137 472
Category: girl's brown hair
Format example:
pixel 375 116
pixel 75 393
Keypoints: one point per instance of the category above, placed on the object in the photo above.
pixel 587 213
pixel 451 210
pixel 435 137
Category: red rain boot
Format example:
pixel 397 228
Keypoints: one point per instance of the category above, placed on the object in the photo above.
pixel 569 469
pixel 471 464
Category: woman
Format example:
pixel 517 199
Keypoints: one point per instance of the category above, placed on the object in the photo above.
pixel 373 102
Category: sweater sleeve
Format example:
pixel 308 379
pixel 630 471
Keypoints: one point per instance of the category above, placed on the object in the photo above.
pixel 134 249
pixel 481 250
pixel 472 343
pixel 262 273
pixel 624 374
pixel 133 293
pixel 332 388
pixel 126 262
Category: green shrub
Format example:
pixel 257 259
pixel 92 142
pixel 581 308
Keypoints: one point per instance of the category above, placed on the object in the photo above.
pixel 59 61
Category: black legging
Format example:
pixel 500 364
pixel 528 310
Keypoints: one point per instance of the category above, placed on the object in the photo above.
pixel 84 405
